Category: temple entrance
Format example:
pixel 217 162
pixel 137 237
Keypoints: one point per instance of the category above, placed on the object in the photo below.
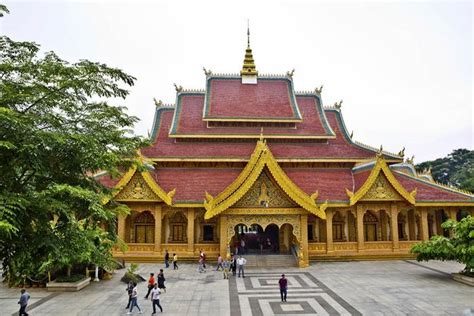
pixel 254 239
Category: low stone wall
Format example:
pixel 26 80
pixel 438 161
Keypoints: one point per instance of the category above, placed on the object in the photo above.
pixel 54 286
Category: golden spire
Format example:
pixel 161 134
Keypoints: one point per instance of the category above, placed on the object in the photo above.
pixel 249 64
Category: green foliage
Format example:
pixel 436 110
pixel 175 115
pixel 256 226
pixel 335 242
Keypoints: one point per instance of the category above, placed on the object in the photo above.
pixel 130 274
pixel 459 248
pixel 456 169
pixel 57 129
pixel 72 278
pixel 133 268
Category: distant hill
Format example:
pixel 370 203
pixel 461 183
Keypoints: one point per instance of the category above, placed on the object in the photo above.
pixel 456 169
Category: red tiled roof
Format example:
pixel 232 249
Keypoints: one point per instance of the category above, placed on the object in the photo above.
pixel 331 184
pixel 107 181
pixel 166 147
pixel 269 98
pixel 189 120
pixel 191 184
pixel 429 192
pixel 359 179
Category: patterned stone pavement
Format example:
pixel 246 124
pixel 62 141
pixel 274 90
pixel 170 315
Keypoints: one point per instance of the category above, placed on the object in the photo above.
pixel 329 288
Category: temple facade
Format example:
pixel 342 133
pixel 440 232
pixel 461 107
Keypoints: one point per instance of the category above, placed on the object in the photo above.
pixel 249 164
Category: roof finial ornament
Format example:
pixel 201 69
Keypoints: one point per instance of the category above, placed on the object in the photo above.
pixel 319 90
pixel 290 73
pixel 401 153
pixel 178 88
pixel 338 105
pixel 261 134
pixel 207 72
pixel 411 160
pixel 248 68
pixel 158 103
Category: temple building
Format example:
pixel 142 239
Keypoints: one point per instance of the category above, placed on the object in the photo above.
pixel 251 165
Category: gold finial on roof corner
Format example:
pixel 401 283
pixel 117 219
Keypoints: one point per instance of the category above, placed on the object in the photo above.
pixel 207 72
pixel 290 73
pixel 178 88
pixel 248 67
pixel 261 134
pixel 401 153
pixel 411 160
pixel 157 102
pixel 319 90
pixel 338 105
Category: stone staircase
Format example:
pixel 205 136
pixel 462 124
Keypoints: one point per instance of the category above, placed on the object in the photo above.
pixel 265 261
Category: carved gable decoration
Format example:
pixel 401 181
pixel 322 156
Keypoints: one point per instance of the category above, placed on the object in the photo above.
pixel 265 193
pixel 137 190
pixel 381 190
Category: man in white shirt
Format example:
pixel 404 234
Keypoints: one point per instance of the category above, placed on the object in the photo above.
pixel 155 298
pixel 240 265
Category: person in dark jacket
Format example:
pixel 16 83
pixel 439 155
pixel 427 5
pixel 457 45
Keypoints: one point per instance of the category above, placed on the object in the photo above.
pixel 283 282
pixel 161 280
pixel 167 259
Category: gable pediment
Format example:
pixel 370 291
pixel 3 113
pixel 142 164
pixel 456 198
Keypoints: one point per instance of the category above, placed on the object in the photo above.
pixel 265 193
pixel 137 190
pixel 382 190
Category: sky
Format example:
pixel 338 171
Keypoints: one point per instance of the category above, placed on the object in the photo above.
pixel 403 69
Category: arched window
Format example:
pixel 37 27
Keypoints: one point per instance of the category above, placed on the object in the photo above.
pixel 370 226
pixel 144 225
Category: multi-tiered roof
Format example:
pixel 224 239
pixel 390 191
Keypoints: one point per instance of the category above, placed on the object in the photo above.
pixel 205 141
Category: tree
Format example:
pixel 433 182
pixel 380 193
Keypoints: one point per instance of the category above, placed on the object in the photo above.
pixel 456 169
pixel 459 248
pixel 57 129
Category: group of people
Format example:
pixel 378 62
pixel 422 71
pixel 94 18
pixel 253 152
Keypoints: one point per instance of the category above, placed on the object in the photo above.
pixel 167 260
pixel 155 289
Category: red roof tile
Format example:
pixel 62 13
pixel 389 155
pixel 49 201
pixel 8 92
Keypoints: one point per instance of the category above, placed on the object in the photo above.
pixel 189 120
pixel 429 191
pixel 331 184
pixel 269 98
pixel 191 184
pixel 106 180
pixel 166 147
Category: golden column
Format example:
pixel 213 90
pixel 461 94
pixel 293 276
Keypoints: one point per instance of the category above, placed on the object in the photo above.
pixel 394 226
pixel 191 231
pixel 329 242
pixel 360 227
pixel 121 227
pixel 424 223
pixel 157 228
pixel 223 235
pixel 304 261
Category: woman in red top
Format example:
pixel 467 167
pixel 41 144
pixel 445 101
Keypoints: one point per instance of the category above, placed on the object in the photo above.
pixel 151 284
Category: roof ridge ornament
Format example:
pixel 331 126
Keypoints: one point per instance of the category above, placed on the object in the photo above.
pixel 290 73
pixel 249 70
pixel 319 90
pixel 207 72
pixel 178 88
pixel 338 105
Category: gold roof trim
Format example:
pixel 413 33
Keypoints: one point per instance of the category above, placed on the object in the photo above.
pixel 166 197
pixel 260 158
pixel 381 166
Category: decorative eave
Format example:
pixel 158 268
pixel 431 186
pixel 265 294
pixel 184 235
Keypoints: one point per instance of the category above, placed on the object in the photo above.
pixel 260 158
pixel 166 197
pixel 160 108
pixel 348 137
pixel 381 166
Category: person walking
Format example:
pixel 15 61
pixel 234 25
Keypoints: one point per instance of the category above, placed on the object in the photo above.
pixel 155 299
pixel 240 265
pixel 283 282
pixel 161 281
pixel 134 300
pixel 233 264
pixel 129 290
pixel 175 261
pixel 167 259
pixel 24 298
pixel 151 283
pixel 219 262
pixel 202 256
pixel 201 265
pixel 225 266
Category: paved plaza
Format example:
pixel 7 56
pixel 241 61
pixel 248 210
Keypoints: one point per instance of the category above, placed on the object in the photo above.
pixel 327 288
